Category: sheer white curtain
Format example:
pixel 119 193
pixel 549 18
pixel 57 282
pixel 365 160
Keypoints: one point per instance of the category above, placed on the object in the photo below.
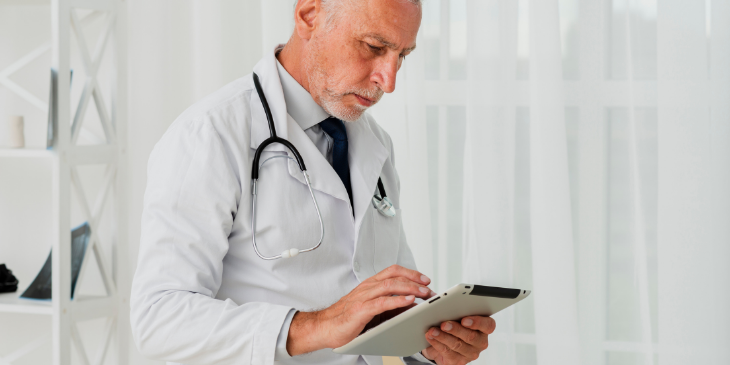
pixel 578 148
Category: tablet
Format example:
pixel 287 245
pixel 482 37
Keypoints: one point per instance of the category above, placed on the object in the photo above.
pixel 404 334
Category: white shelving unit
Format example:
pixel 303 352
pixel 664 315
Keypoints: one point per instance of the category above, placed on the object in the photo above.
pixel 66 156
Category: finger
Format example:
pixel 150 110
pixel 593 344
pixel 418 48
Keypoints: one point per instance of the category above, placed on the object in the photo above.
pixel 381 304
pixel 400 271
pixel 454 344
pixel 396 286
pixel 483 324
pixel 390 314
pixel 429 353
pixel 441 353
pixel 472 337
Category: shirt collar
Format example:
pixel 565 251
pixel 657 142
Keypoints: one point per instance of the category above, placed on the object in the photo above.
pixel 299 103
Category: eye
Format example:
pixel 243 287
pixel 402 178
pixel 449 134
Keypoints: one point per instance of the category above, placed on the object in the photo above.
pixel 374 48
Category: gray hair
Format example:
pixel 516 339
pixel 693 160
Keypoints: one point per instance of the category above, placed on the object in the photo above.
pixel 334 8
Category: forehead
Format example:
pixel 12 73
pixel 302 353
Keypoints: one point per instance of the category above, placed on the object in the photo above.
pixel 392 21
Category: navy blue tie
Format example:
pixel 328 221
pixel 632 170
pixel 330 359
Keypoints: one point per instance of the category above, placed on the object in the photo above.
pixel 336 129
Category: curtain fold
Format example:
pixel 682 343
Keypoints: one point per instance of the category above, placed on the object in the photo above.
pixel 552 241
pixel 489 158
pixel 694 199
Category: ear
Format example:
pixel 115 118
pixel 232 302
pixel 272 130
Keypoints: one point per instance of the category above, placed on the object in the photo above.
pixel 307 17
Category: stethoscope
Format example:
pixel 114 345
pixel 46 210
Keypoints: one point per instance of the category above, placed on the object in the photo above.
pixel 380 200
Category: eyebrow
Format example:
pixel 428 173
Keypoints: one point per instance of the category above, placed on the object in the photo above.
pixel 387 43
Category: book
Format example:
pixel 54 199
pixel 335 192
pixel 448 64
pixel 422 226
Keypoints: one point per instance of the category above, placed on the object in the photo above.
pixel 41 287
pixel 52 133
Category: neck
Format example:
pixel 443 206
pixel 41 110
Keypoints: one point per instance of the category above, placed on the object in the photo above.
pixel 291 57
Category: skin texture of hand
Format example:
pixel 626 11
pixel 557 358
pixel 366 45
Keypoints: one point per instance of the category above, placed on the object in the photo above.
pixel 389 290
pixel 459 343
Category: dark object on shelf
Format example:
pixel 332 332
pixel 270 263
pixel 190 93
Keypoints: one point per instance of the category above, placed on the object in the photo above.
pixel 52 134
pixel 8 282
pixel 40 288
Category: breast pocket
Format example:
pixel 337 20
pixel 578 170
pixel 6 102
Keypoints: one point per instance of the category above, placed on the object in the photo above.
pixel 385 232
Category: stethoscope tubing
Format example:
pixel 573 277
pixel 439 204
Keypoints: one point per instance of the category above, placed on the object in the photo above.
pixel 255 177
pixel 254 192
pixel 274 138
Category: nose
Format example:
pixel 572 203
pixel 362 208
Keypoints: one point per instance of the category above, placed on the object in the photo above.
pixel 384 73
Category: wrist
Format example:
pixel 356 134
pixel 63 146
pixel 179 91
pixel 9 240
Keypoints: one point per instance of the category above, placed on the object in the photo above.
pixel 304 335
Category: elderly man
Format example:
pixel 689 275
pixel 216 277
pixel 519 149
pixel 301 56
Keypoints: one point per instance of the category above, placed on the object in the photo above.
pixel 202 293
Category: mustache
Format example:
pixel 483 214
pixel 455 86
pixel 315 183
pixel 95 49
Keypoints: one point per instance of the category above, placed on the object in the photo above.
pixel 373 95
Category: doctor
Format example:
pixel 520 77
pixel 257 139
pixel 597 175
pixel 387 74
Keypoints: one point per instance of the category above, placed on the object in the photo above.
pixel 201 294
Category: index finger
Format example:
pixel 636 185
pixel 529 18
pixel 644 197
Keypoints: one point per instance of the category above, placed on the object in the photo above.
pixel 395 271
pixel 482 324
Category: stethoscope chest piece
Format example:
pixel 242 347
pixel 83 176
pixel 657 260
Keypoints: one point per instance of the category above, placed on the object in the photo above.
pixel 384 206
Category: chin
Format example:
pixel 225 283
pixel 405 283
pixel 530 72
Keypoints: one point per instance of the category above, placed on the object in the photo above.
pixel 347 113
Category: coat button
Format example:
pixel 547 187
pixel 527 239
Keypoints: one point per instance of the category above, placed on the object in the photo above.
pixel 356 266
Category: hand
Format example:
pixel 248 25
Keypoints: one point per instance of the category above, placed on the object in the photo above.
pixel 393 288
pixel 459 343
pixel 387 315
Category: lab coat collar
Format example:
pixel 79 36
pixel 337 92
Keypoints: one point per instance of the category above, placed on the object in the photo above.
pixel 366 156
pixel 271 85
pixel 366 153
pixel 321 174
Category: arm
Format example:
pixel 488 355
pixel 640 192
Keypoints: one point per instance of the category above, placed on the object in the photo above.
pixel 190 203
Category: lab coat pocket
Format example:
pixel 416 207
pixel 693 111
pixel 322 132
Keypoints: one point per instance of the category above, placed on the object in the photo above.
pixel 386 238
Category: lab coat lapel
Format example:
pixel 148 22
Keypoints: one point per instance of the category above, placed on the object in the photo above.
pixel 366 156
pixel 322 176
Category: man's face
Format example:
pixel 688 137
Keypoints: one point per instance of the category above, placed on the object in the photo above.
pixel 350 64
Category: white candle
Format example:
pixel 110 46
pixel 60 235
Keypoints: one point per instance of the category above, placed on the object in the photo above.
pixel 16 131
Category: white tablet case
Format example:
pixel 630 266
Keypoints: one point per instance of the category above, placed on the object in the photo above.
pixel 404 335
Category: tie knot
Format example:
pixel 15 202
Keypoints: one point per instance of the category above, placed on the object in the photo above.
pixel 335 128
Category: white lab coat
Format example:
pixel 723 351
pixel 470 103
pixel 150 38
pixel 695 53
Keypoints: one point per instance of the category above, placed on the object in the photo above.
pixel 200 294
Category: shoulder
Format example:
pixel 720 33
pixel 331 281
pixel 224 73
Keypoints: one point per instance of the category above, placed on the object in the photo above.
pixel 218 125
pixel 228 105
pixel 223 116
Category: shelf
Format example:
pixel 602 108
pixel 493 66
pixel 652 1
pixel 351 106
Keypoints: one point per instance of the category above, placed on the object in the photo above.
pixel 77 155
pixel 83 307
pixel 26 152
pixel 10 303
pixel 69 20
pixel 25 2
